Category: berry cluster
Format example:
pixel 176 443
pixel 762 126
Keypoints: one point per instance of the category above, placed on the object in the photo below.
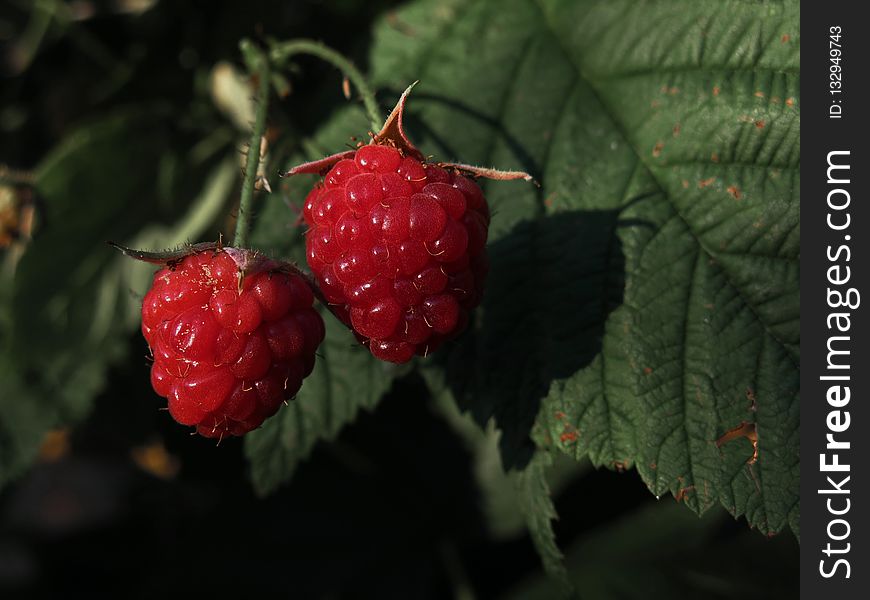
pixel 232 336
pixel 398 249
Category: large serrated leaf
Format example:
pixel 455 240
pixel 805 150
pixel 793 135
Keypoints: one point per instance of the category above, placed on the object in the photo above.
pixel 537 506
pixel 644 301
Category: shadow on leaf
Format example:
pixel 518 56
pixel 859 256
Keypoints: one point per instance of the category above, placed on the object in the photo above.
pixel 552 284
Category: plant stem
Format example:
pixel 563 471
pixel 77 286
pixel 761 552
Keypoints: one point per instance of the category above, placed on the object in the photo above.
pixel 281 51
pixel 260 62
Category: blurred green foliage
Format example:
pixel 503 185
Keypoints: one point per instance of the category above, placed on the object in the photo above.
pixel 642 301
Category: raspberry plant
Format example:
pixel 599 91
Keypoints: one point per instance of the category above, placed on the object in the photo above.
pixel 640 309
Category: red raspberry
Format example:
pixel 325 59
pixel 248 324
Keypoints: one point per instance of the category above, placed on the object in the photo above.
pixel 398 245
pixel 398 248
pixel 232 335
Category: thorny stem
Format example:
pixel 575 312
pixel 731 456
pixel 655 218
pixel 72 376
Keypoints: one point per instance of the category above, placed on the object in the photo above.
pixel 281 51
pixel 258 62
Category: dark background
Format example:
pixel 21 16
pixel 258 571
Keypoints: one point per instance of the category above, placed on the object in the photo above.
pixel 386 511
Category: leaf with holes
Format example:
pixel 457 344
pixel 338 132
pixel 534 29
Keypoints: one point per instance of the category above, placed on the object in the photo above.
pixel 644 302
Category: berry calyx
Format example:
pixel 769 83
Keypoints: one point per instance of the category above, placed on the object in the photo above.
pixel 398 244
pixel 232 334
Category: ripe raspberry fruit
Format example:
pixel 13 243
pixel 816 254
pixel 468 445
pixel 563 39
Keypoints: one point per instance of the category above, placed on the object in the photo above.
pixel 398 248
pixel 232 335
pixel 397 244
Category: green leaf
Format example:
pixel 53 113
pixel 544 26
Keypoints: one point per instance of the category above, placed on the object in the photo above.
pixel 346 379
pixel 61 304
pixel 537 506
pixel 662 551
pixel 644 301
pixel 506 499
pixel 74 300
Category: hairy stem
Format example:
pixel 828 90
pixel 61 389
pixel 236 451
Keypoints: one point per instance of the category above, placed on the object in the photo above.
pixel 281 51
pixel 259 64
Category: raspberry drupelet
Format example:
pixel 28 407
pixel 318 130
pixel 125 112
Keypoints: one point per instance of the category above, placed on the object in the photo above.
pixel 232 335
pixel 398 248
pixel 397 243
